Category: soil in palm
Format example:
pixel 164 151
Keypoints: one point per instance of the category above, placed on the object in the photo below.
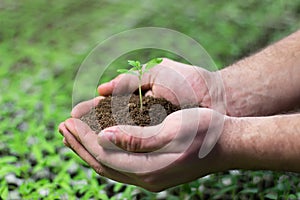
pixel 125 110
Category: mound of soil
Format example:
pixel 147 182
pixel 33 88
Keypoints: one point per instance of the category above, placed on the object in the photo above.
pixel 125 110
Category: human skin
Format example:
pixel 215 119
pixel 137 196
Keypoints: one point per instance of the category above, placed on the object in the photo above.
pixel 270 143
pixel 251 143
pixel 265 83
pixel 152 171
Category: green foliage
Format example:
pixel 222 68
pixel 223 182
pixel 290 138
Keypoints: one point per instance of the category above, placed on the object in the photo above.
pixel 138 70
pixel 42 43
pixel 3 190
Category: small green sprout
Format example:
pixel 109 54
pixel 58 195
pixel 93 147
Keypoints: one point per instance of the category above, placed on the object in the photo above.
pixel 138 70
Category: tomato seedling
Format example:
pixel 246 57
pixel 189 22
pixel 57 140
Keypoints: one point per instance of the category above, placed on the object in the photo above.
pixel 139 70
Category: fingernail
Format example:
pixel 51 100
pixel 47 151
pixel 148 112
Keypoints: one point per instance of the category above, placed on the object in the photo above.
pixel 110 136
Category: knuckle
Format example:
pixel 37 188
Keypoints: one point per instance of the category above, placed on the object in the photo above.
pixel 132 143
pixel 129 143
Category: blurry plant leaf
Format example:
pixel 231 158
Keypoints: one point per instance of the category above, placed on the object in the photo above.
pixel 8 159
pixel 126 71
pixel 3 190
pixel 134 63
pixel 132 72
pixel 117 187
pixel 292 196
pixel 225 189
pixel 37 152
pixel 65 186
pixel 5 169
pixel 26 188
pixel 153 63
pixel 249 191
pixel 271 196
pixel 138 64
pixel 88 195
pixel 122 70
pixel 103 196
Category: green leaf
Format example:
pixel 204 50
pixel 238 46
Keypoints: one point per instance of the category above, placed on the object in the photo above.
pixel 123 71
pixel 222 191
pixel 271 196
pixel 292 196
pixel 126 71
pixel 249 191
pixel 118 187
pixel 138 64
pixel 8 159
pixel 153 63
pixel 134 63
pixel 103 196
pixel 3 190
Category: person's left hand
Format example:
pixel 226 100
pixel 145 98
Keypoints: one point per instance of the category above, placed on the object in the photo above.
pixel 154 157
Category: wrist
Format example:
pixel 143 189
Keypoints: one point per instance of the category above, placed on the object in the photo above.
pixel 224 154
pixel 232 93
pixel 214 94
pixel 262 143
pixel 243 143
pixel 252 144
pixel 228 144
pixel 242 95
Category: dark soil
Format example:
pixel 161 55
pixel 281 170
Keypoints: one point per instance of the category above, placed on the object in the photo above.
pixel 125 110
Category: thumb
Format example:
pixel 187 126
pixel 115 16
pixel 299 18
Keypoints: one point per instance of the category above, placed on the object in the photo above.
pixel 123 84
pixel 134 138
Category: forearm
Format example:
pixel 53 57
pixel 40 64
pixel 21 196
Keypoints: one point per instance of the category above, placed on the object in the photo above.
pixel 265 83
pixel 271 143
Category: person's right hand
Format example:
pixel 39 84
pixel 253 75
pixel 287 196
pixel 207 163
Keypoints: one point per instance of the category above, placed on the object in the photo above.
pixel 177 82
pixel 188 144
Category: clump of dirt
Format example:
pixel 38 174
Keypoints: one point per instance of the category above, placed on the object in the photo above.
pixel 125 110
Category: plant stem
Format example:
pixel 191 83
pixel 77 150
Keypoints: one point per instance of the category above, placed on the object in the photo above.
pixel 141 101
pixel 140 93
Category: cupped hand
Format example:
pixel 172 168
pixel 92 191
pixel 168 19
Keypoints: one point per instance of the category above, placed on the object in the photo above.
pixel 177 82
pixel 154 157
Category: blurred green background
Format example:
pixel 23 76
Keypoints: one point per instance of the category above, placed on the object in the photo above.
pixel 43 43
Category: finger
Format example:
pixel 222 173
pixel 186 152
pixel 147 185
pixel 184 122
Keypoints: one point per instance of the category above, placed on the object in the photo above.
pixel 127 83
pixel 97 166
pixel 128 163
pixel 76 127
pixel 66 142
pixel 62 129
pixel 89 150
pixel 88 138
pixel 84 107
pixel 173 135
pixel 106 89
pixel 77 148
pixel 124 84
pixel 134 138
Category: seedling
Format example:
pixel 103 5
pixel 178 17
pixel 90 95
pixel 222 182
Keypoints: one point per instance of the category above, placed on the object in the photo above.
pixel 138 70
